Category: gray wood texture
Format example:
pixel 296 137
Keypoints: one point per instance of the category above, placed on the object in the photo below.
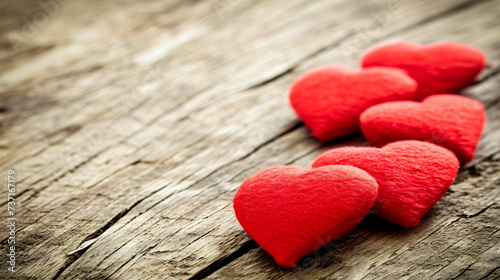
pixel 131 124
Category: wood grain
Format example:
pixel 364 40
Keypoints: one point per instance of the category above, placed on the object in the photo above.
pixel 131 125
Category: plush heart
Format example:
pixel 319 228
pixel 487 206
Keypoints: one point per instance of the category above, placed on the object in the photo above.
pixel 290 211
pixel 412 176
pixel 330 99
pixel 437 68
pixel 452 121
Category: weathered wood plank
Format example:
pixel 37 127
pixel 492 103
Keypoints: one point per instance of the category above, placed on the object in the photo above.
pixel 164 250
pixel 144 179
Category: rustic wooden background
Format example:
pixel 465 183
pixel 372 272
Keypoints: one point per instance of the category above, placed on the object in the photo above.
pixel 131 124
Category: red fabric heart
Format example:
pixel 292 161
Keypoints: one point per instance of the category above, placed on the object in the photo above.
pixel 437 68
pixel 290 211
pixel 330 99
pixel 411 175
pixel 452 121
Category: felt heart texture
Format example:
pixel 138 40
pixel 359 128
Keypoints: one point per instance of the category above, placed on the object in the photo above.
pixel 452 121
pixel 412 176
pixel 291 211
pixel 330 99
pixel 437 68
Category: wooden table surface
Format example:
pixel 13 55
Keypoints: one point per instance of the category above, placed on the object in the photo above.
pixel 131 124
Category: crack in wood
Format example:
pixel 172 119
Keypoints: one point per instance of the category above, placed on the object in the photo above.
pixel 296 126
pixel 489 273
pixel 301 61
pixel 461 273
pixel 488 76
pixel 95 235
pixel 218 264
pixel 477 213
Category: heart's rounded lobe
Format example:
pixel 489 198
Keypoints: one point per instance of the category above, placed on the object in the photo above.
pixel 330 99
pixel 291 211
pixel 452 121
pixel 412 176
pixel 437 68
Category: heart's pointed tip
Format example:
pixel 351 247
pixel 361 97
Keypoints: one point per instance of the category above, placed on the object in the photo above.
pixel 410 224
pixel 286 262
